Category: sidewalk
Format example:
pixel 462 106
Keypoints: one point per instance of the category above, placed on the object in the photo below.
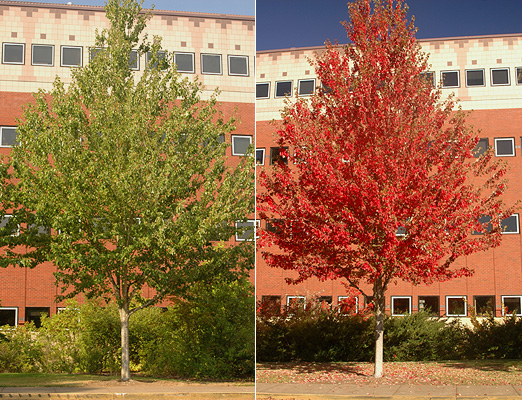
pixel 277 391
pixel 132 392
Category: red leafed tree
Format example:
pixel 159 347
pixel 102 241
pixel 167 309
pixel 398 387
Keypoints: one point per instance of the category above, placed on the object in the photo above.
pixel 383 182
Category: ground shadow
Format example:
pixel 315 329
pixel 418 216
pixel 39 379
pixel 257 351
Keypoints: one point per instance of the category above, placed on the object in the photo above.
pixel 311 367
pixel 485 365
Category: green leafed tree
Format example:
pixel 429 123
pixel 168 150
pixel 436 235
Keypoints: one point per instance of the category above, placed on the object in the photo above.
pixel 129 172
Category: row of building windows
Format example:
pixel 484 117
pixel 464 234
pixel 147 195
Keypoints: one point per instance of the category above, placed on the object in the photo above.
pixel 9 315
pixel 72 56
pixel 455 306
pixel 448 79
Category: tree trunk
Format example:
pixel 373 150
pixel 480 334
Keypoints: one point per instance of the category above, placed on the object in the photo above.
pixel 125 361
pixel 379 304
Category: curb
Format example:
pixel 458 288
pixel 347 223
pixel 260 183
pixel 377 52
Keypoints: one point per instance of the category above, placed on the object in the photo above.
pixel 128 396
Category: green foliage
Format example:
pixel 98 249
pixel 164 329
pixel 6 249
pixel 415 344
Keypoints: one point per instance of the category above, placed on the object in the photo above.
pixel 209 336
pixel 20 351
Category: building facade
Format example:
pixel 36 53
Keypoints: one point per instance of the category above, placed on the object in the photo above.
pixel 485 73
pixel 43 41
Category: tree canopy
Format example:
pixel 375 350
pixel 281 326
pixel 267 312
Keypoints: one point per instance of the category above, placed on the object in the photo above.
pixel 384 182
pixel 120 178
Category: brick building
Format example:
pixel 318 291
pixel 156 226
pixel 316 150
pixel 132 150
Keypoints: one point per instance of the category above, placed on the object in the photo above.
pixel 42 41
pixel 485 73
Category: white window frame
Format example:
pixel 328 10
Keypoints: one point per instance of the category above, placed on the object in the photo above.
pixel 13 44
pixel 256 225
pixel 2 135
pixel 513 146
pixel 268 91
pixel 299 87
pixel 518 225
pixel 193 71
pixel 71 47
pixel 483 77
pixel 264 154
pixel 499 69
pixel 341 298
pixel 234 153
pixel 393 298
pixel 442 79
pixel 465 299
pixel 236 74
pixel 517 71
pixel 15 310
pixel 137 59
pixel 288 298
pixel 286 95
pixel 519 309
pixel 42 45
pixel 220 64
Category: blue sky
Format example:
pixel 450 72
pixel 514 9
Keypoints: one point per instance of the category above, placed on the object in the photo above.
pixel 299 23
pixel 241 7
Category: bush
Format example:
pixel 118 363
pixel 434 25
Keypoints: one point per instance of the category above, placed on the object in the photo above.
pixel 19 350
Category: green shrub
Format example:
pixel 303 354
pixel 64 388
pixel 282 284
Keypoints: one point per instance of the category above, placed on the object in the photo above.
pixel 19 350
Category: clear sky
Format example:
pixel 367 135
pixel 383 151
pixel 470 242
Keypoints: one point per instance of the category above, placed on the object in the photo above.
pixel 298 23
pixel 240 7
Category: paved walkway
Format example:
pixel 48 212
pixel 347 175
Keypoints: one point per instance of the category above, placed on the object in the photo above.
pixel 132 392
pixel 395 392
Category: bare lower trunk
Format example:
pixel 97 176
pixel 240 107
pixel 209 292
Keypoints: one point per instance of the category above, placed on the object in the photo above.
pixel 125 361
pixel 379 304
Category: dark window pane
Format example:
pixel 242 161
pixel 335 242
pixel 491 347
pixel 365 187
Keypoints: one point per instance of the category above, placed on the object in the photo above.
pixel 400 306
pixel 306 87
pixel 43 55
pixel 519 76
pixel 246 230
pixel 211 63
pixel 511 305
pixel 450 79
pixel 13 53
pixel 429 304
pixel 160 60
pixel 485 221
pixel 271 305
pixel 93 52
pixel 7 317
pixel 8 136
pixel 238 65
pixel 240 145
pixel 481 147
pixel 485 305
pixel 275 155
pixel 34 314
pixel 272 225
pixel 134 60
pixel 184 62
pixel 283 89
pixel 456 306
pixel 262 90
pixel 475 77
pixel 500 76
pixel 260 156
pixel 504 147
pixel 429 77
pixel 510 224
pixel 71 56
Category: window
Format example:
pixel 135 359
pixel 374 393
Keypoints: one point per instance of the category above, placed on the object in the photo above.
pixel 430 304
pixel 238 65
pixel 260 156
pixel 348 305
pixel 13 53
pixel 272 225
pixel 510 225
pixel 42 55
pixel 8 136
pixel 504 147
pixel 429 76
pixel 240 145
pixel 184 62
pixel 283 89
pixel 271 304
pixel 93 52
pixel 306 87
pixel 485 221
pixel 71 56
pixel 8 316
pixel 481 147
pixel 246 230
pixel 499 76
pixel 34 314
pixel 518 73
pixel 325 299
pixel 401 231
pixel 134 60
pixel 456 306
pixel 295 301
pixel 475 77
pixel 263 90
pixel 4 222
pixel 511 304
pixel 401 305
pixel 450 79
pixel 41 230
pixel 160 60
pixel 211 64
pixel 276 156
pixel 484 305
